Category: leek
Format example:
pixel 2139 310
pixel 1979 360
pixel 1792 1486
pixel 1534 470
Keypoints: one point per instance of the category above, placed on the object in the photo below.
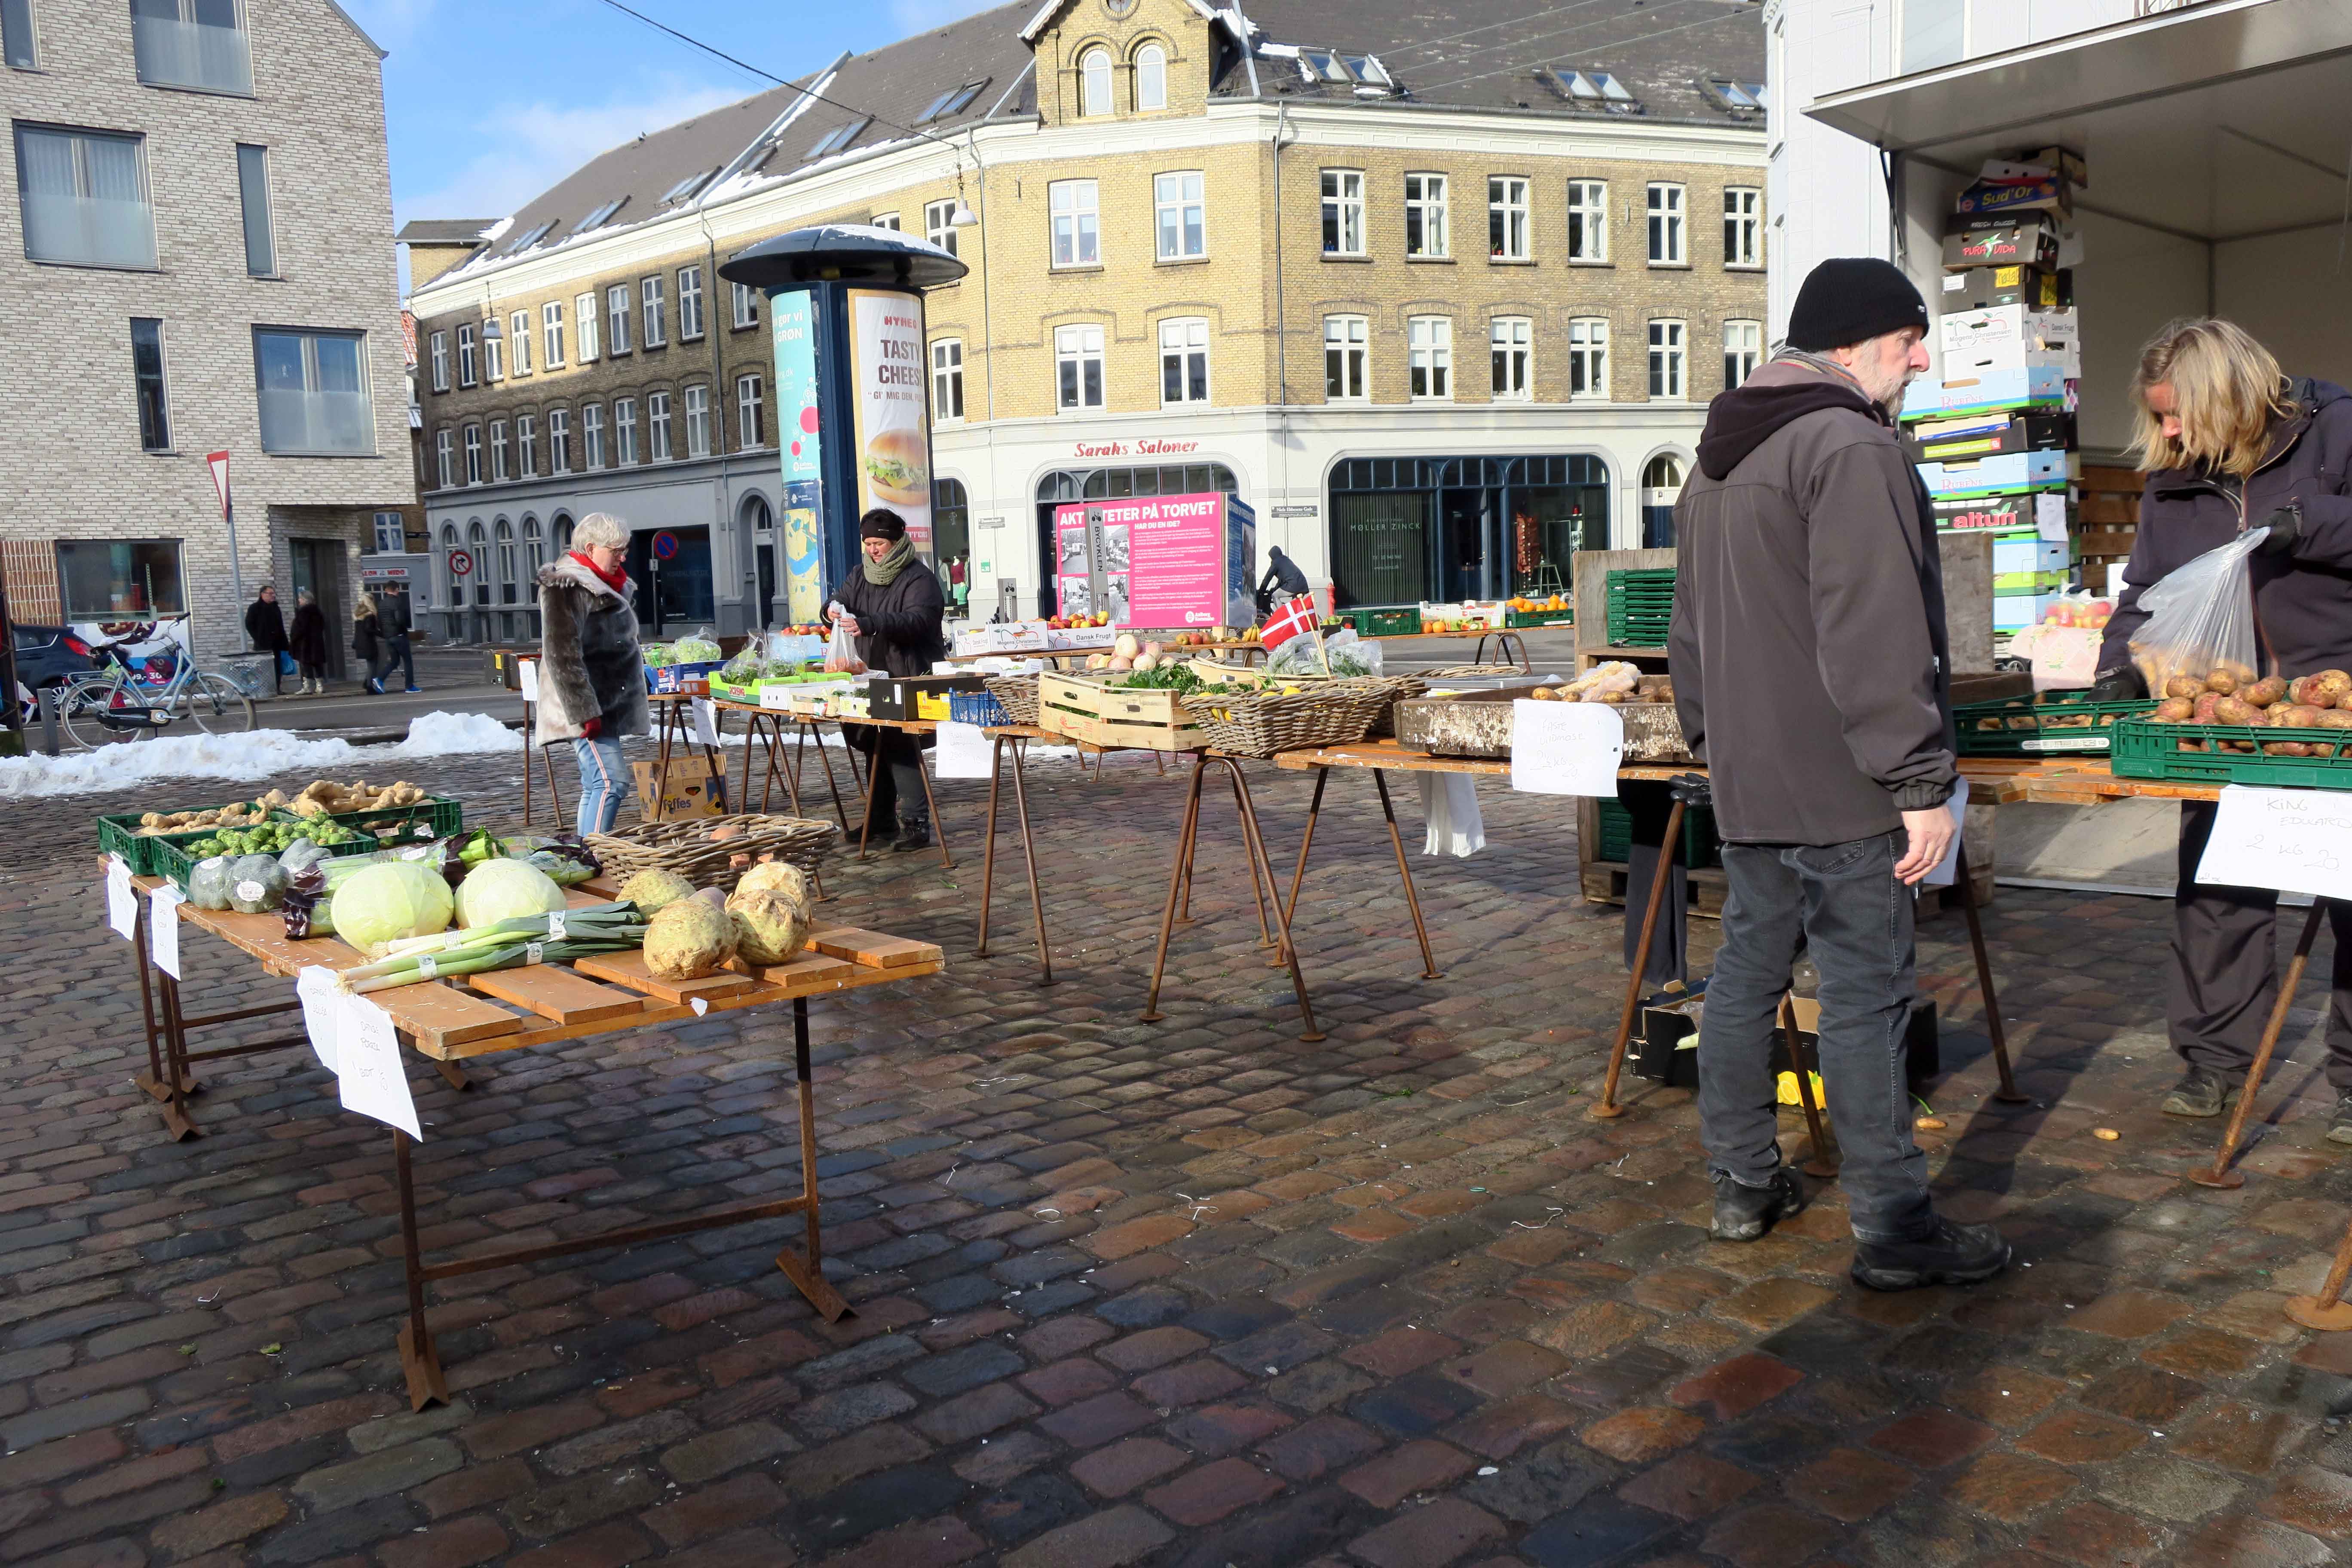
pixel 590 929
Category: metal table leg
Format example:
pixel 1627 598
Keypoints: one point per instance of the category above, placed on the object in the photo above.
pixel 2008 1093
pixel 988 841
pixel 1257 844
pixel 1179 880
pixel 1817 1161
pixel 1429 970
pixel 418 1358
pixel 554 796
pixel 176 1077
pixel 930 804
pixel 2327 1309
pixel 1306 842
pixel 1257 893
pixel 806 1267
pixel 2219 1174
pixel 1029 859
pixel 1608 1108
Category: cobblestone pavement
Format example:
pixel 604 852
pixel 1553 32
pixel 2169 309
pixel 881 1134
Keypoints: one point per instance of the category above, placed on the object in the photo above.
pixel 1195 1293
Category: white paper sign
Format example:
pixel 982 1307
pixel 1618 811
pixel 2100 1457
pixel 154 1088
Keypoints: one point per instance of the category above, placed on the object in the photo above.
pixel 776 699
pixel 370 1073
pixel 1941 877
pixel 2295 840
pixel 1566 748
pixel 121 902
pixel 315 988
pixel 529 670
pixel 164 927
pixel 964 752
pixel 2050 517
pixel 706 722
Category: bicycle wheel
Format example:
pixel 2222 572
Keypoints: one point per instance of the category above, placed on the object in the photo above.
pixel 216 704
pixel 80 704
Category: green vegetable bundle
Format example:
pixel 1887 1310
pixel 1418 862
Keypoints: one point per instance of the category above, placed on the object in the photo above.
pixel 1177 677
pixel 508 945
pixel 269 838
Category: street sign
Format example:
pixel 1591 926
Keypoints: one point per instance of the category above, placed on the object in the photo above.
pixel 218 463
pixel 460 563
pixel 665 545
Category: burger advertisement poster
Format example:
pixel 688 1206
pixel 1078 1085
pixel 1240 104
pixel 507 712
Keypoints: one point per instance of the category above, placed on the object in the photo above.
pixel 893 422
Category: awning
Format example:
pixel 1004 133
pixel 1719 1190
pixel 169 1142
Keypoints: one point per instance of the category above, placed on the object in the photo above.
pixel 2221 122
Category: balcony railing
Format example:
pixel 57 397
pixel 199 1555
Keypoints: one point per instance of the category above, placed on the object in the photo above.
pixel 173 53
pixel 93 231
pixel 332 424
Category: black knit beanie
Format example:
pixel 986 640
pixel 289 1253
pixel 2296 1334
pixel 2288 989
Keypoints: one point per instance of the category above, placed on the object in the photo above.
pixel 881 523
pixel 1851 299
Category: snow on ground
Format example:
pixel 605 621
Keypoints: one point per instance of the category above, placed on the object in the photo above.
pixel 259 754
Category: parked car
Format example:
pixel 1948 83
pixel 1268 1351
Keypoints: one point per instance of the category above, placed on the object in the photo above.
pixel 48 655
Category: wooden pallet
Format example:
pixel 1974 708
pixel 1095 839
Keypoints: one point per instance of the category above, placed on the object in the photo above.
pixel 1103 715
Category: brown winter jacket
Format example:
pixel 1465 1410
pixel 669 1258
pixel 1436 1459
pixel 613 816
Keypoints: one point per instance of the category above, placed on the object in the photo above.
pixel 1808 648
pixel 590 665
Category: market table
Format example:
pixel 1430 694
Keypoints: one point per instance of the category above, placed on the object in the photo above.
pixel 1241 645
pixel 546 1004
pixel 766 726
pixel 1504 636
pixel 674 716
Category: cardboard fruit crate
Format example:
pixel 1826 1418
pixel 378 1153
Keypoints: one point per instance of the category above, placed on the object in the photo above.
pixel 2145 749
pixel 2053 721
pixel 1102 715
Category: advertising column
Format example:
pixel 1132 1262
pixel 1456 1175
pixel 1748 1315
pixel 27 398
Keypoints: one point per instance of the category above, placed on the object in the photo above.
pixel 893 427
pixel 800 432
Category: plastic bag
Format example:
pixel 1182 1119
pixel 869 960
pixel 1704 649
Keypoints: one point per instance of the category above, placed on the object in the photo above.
pixel 841 653
pixel 2200 620
pixel 1450 803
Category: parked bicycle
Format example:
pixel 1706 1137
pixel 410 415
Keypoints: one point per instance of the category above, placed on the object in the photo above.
pixel 116 702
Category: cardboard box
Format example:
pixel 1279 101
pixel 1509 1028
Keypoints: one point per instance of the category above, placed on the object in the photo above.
pixel 694 786
pixel 1665 1048
pixel 2041 162
pixel 1999 196
pixel 897 697
pixel 2034 287
pixel 1997 326
pixel 2024 514
pixel 2015 612
pixel 2005 475
pixel 2033 389
pixel 2028 581
pixel 2030 239
pixel 1992 436
pixel 2013 556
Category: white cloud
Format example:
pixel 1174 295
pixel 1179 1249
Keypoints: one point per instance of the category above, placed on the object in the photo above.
pixel 392 23
pixel 921 16
pixel 527 147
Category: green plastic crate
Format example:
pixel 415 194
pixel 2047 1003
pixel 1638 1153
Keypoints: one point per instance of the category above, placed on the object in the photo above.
pixel 2054 722
pixel 1640 605
pixel 2144 750
pixel 1701 847
pixel 119 835
pixel 173 861
pixel 439 814
pixel 1540 617
pixel 1388 620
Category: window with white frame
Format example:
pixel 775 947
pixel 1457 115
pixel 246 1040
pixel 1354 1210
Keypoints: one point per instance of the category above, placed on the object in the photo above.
pixel 1078 366
pixel 1512 339
pixel 751 422
pixel 473 454
pixel 1506 217
pixel 83 195
pixel 465 355
pixel 656 329
pixel 199 43
pixel 1181 213
pixel 657 442
pixel 886 220
pixel 1184 360
pixel 1743 226
pixel 1345 343
pixel 558 441
pixel 592 435
pixel 697 421
pixel 1667 353
pixel 939 224
pixel 1343 212
pixel 1426 218
pixel 747 305
pixel 1151 77
pixel 1743 348
pixel 1587 220
pixel 617 318
pixel 625 432
pixel 498 451
pixel 390 534
pixel 583 310
pixel 947 381
pixel 1587 357
pixel 1076 217
pixel 440 357
pixel 689 303
pixel 550 316
pixel 312 388
pixel 444 453
pixel 519 332
pixel 1429 357
pixel 493 352
pixel 1665 211
pixel 525 447
pixel 1094 82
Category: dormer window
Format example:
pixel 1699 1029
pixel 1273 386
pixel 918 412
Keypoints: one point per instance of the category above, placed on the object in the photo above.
pixel 1094 82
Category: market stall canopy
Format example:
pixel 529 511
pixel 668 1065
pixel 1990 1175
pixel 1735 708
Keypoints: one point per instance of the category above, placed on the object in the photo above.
pixel 852 253
pixel 2223 122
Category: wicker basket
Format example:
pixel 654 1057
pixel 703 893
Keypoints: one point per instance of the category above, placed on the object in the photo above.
pixel 1018 694
pixel 687 848
pixel 1334 713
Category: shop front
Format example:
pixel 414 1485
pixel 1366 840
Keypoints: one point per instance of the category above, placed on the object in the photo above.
pixel 1076 484
pixel 1407 530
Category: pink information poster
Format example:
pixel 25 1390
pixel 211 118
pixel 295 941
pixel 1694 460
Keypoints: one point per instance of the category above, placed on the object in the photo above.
pixel 1162 563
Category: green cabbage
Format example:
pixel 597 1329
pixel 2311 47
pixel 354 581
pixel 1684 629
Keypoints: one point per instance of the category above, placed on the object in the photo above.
pixel 506 889
pixel 389 902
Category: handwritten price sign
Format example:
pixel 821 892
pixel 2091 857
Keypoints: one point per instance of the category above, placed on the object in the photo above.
pixel 2295 840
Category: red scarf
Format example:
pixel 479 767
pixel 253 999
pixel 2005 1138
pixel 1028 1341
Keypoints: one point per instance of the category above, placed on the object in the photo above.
pixel 617 579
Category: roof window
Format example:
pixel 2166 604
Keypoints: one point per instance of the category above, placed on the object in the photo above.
pixel 1739 96
pixel 687 186
pixel 955 101
pixel 1595 89
pixel 599 217
pixel 838 139
pixel 1336 66
pixel 532 238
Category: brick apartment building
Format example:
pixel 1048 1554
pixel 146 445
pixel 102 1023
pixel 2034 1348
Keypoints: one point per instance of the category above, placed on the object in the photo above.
pixel 200 263
pixel 1394 280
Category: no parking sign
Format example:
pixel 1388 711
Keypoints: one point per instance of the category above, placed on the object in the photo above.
pixel 665 545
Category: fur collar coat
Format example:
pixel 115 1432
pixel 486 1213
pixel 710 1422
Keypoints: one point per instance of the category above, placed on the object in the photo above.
pixel 590 665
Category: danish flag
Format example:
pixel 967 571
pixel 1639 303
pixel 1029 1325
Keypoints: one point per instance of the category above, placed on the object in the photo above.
pixel 1288 621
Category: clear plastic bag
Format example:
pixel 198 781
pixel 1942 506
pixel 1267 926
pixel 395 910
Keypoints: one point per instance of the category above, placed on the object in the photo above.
pixel 2200 620
pixel 841 653
pixel 1343 650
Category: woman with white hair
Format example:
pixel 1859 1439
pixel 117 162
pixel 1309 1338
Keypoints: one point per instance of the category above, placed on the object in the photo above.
pixel 592 675
pixel 2229 442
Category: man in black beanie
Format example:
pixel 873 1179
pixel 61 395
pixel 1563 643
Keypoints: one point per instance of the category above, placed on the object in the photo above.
pixel 1809 656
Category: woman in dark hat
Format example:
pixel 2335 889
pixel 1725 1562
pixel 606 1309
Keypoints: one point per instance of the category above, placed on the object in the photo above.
pixel 892 604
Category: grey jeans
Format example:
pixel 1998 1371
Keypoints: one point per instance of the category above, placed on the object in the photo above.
pixel 1855 919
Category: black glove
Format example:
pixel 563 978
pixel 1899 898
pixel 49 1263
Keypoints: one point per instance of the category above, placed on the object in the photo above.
pixel 2286 526
pixel 2125 685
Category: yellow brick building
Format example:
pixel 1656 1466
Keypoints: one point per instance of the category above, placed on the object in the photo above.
pixel 1414 289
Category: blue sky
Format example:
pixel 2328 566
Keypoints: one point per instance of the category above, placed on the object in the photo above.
pixel 490 102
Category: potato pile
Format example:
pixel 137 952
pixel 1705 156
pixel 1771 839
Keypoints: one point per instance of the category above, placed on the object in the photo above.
pixel 2231 695
pixel 240 814
pixel 324 797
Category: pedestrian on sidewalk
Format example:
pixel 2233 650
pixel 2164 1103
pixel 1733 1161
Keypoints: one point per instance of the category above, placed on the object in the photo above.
pixel 392 611
pixel 308 643
pixel 895 615
pixel 1808 662
pixel 265 628
pixel 592 674
pixel 367 641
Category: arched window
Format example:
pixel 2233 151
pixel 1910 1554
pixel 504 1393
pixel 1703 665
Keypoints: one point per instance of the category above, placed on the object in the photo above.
pixel 1094 82
pixel 950 521
pixel 756 517
pixel 534 552
pixel 506 574
pixel 1152 77
pixel 479 539
pixel 562 533
pixel 1665 472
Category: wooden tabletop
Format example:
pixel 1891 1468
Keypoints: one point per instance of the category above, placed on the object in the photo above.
pixel 913 726
pixel 509 1009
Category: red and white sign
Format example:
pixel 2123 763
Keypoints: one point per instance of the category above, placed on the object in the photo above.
pixel 1156 560
pixel 460 563
pixel 218 463
pixel 1288 621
